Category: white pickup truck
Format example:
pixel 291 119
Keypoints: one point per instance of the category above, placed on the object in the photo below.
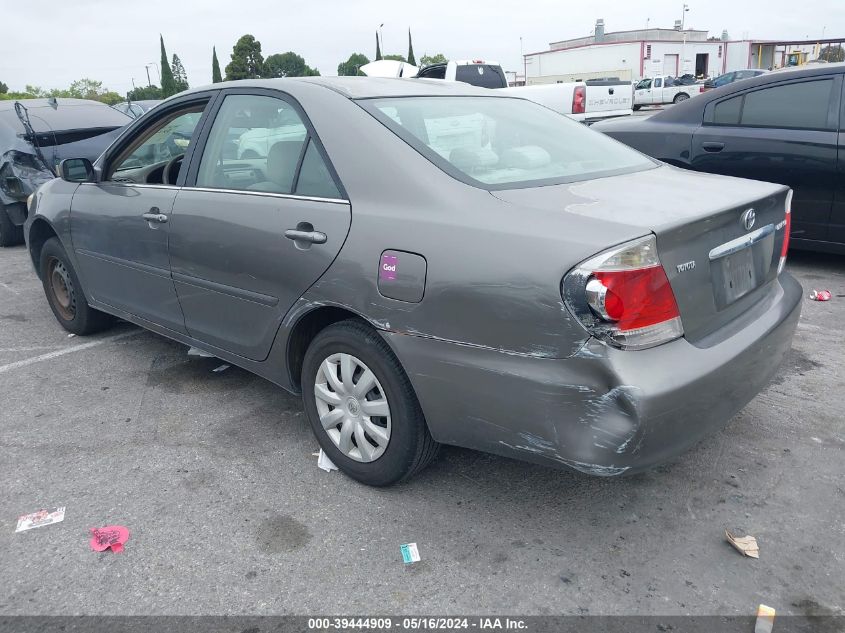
pixel 586 101
pixel 661 90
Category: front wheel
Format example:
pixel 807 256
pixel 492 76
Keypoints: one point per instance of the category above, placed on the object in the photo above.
pixel 362 407
pixel 682 96
pixel 64 292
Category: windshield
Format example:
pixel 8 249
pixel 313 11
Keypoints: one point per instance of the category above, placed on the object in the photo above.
pixel 500 143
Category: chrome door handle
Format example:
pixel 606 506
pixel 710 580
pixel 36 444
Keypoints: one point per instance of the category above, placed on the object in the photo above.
pixel 313 237
pixel 159 218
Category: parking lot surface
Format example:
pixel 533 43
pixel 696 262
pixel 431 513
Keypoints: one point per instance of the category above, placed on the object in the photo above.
pixel 214 475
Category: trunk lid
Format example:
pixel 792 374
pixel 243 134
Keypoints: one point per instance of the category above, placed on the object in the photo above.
pixel 716 266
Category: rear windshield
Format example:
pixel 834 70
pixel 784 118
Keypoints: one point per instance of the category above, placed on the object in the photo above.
pixel 504 143
pixel 481 75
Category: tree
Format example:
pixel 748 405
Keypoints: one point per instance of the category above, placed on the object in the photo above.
pixel 179 74
pixel 88 89
pixel 397 58
pixel 247 61
pixel 3 88
pixel 428 60
pixel 378 48
pixel 411 59
pixel 36 92
pixel 216 77
pixel 832 53
pixel 143 93
pixel 287 65
pixel 352 66
pixel 84 89
pixel 168 83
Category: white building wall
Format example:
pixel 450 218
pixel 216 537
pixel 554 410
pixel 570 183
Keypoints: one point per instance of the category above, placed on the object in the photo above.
pixel 621 60
pixel 686 57
pixel 737 58
pixel 588 62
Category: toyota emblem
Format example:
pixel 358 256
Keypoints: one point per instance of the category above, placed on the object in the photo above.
pixel 748 218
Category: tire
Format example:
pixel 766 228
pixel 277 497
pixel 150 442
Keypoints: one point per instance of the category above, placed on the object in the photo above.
pixel 250 153
pixel 681 96
pixel 10 234
pixel 409 446
pixel 637 107
pixel 64 292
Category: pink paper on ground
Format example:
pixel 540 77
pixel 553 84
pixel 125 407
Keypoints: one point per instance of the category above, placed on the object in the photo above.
pixel 110 536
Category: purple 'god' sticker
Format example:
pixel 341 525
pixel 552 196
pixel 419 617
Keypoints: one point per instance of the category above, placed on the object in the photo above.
pixel 387 268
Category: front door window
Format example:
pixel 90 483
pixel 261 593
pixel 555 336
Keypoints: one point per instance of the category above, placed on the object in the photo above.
pixel 156 157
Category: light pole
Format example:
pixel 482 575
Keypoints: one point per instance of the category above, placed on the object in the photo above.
pixel 158 72
pixel 684 38
pixel 524 64
pixel 381 39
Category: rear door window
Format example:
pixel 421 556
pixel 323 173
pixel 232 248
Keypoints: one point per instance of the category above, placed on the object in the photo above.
pixel 260 143
pixel 727 112
pixel 314 177
pixel 798 105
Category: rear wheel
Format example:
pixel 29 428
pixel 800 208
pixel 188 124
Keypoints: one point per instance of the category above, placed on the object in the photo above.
pixel 64 292
pixel 681 96
pixel 362 407
pixel 10 234
pixel 637 107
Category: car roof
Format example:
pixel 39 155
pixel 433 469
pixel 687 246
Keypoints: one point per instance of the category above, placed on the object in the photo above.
pixel 68 114
pixel 362 87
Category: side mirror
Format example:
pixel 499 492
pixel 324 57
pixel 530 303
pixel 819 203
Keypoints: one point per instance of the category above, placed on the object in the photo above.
pixel 77 170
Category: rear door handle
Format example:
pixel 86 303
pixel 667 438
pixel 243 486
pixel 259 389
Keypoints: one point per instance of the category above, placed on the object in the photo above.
pixel 155 216
pixel 712 146
pixel 312 237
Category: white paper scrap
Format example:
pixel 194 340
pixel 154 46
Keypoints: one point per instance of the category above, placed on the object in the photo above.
pixel 40 519
pixel 325 463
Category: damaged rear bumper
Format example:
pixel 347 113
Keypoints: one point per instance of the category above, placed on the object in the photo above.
pixel 602 411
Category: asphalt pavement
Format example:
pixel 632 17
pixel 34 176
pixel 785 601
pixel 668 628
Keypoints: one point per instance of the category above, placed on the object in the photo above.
pixel 214 475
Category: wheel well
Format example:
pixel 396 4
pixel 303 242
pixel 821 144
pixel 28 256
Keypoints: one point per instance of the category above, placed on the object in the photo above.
pixel 39 233
pixel 304 332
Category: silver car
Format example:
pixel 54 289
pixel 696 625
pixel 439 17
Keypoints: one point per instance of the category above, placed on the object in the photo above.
pixel 431 263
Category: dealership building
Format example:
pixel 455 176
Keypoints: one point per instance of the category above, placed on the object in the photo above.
pixel 654 51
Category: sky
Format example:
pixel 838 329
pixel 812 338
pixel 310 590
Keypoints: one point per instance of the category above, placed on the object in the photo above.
pixel 112 40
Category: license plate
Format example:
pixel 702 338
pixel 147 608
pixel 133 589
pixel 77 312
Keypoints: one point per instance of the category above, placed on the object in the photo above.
pixel 739 274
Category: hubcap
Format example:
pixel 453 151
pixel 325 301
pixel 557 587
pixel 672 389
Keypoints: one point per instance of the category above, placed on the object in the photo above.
pixel 62 288
pixel 353 407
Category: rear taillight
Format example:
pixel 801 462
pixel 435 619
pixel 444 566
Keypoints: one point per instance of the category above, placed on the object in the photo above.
pixel 623 297
pixel 787 228
pixel 579 100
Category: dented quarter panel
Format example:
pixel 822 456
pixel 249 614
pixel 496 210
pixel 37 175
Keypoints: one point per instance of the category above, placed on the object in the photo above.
pixel 603 411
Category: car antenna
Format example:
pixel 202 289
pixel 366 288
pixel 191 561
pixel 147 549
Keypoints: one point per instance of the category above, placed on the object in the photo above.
pixel 23 115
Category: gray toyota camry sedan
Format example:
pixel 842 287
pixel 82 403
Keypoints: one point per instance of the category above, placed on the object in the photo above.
pixel 430 263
